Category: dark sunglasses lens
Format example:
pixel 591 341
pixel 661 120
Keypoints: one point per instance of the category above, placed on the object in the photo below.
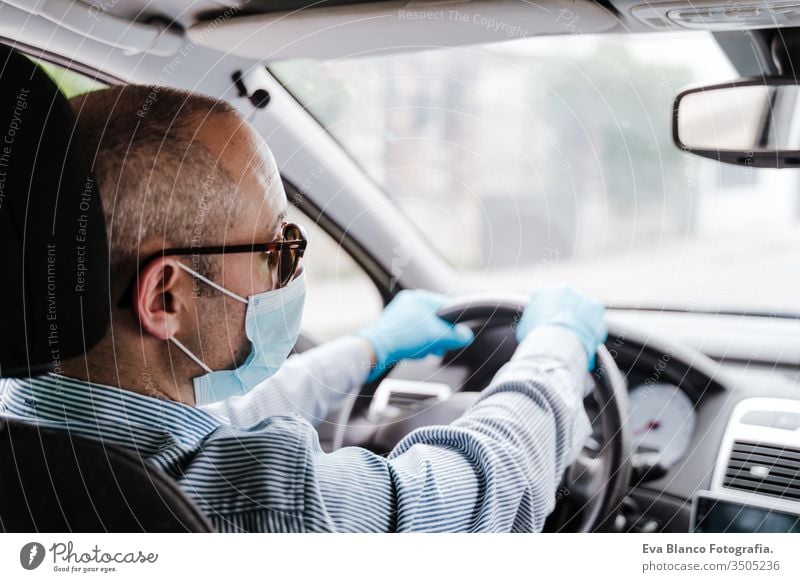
pixel 289 259
pixel 287 264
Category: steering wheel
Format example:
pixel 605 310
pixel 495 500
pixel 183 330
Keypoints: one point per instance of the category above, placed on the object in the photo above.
pixel 594 486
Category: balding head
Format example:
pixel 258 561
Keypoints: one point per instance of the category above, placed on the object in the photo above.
pixel 169 166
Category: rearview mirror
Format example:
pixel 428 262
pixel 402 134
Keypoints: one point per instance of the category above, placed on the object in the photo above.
pixel 749 122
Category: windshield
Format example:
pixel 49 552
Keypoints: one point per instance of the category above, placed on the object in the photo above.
pixel 551 159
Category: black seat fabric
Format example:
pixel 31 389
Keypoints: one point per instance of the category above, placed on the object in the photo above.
pixel 54 303
pixel 51 482
pixel 54 289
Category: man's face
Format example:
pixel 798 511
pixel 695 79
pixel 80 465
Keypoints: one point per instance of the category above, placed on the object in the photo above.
pixel 219 319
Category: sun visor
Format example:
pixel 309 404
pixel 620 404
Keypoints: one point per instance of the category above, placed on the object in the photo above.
pixel 389 27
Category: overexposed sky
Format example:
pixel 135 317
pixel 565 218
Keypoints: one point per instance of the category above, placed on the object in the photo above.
pixel 697 49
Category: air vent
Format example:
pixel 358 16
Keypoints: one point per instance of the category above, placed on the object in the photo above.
pixel 764 469
pixel 393 397
pixel 406 400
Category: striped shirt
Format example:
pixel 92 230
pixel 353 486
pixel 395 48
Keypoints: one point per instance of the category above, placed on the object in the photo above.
pixel 494 469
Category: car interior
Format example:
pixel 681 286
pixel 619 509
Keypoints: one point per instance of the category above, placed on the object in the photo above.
pixel 393 127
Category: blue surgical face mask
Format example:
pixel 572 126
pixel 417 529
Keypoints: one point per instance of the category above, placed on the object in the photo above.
pixel 272 324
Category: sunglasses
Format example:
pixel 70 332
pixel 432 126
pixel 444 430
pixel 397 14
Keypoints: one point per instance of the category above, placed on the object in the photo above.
pixel 283 255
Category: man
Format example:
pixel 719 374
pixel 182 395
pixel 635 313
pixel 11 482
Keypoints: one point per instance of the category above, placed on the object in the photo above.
pixel 208 312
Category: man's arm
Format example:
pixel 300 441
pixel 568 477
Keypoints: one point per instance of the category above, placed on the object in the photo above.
pixel 494 469
pixel 310 384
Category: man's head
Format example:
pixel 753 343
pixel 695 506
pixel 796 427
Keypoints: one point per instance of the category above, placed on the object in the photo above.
pixel 177 170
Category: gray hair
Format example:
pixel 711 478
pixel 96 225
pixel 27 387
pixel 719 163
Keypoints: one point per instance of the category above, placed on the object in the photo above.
pixel 156 180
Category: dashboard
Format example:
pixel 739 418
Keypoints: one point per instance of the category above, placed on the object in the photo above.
pixel 691 382
pixel 756 482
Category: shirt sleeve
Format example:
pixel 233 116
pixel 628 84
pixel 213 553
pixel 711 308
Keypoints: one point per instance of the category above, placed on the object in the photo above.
pixel 310 384
pixel 495 469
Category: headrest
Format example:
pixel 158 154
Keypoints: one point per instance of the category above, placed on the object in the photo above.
pixel 54 300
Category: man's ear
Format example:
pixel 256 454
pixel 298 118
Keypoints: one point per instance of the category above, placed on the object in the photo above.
pixel 159 298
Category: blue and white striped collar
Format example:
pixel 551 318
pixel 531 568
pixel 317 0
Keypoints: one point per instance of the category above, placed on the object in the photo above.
pixel 54 400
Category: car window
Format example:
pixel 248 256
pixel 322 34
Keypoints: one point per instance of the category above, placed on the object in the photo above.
pixel 551 159
pixel 341 297
pixel 70 82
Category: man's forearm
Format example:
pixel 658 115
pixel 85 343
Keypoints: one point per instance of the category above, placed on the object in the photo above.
pixel 510 448
pixel 544 351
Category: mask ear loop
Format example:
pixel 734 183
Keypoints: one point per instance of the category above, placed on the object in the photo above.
pixel 219 288
pixel 211 283
pixel 188 352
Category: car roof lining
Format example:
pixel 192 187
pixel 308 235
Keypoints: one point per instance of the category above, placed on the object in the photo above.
pixel 208 20
pixel 392 26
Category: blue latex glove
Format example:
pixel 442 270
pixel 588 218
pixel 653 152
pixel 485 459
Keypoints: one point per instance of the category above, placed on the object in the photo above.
pixel 565 307
pixel 410 329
